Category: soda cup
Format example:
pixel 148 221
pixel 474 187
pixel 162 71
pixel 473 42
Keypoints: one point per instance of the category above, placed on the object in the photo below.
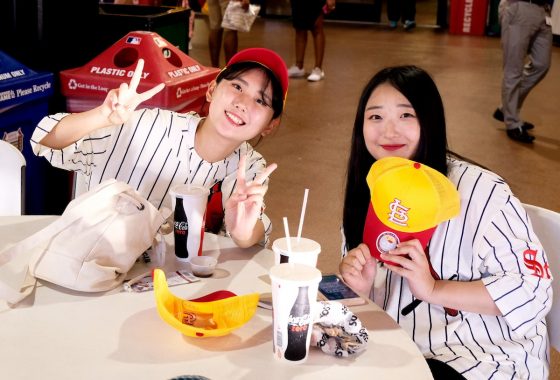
pixel 189 203
pixel 294 300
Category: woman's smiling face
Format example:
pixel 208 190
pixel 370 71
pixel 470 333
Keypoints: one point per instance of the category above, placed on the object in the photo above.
pixel 240 108
pixel 391 127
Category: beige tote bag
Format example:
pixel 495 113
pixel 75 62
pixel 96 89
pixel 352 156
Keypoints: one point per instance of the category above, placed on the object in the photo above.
pixel 94 243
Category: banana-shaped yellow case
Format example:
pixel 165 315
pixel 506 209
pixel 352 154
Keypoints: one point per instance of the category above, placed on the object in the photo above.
pixel 202 319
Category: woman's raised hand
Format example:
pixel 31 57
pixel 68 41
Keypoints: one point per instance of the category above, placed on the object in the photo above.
pixel 121 102
pixel 358 269
pixel 243 207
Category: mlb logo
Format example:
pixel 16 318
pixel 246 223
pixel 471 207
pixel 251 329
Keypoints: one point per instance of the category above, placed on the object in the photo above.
pixel 133 40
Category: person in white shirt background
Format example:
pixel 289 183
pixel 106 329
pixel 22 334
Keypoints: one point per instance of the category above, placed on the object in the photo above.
pixel 526 37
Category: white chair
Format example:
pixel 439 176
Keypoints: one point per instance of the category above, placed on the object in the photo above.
pixel 546 224
pixel 12 180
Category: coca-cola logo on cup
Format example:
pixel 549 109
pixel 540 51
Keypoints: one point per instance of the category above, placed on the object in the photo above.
pixel 181 227
pixel 299 323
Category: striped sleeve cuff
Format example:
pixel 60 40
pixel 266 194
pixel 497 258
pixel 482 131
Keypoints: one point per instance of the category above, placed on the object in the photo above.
pixel 523 300
pixel 55 156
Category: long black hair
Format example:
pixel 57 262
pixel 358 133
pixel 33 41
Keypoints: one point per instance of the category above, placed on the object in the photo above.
pixel 237 69
pixel 420 90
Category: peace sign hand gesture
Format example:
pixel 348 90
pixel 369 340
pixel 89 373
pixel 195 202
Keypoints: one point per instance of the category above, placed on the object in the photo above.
pixel 243 207
pixel 120 103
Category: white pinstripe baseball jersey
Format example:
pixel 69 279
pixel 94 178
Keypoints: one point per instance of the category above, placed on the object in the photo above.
pixel 152 151
pixel 492 240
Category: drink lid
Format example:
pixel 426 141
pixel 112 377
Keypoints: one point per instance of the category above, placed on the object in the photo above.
pixel 186 190
pixel 302 247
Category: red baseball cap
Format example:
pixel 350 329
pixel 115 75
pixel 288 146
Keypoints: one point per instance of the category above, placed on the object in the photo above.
pixel 408 201
pixel 266 58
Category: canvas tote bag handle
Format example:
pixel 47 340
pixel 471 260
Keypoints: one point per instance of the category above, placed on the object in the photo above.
pixel 90 200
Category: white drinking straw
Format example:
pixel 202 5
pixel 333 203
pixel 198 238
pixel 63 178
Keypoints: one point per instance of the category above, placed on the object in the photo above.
pixel 287 232
pixel 302 216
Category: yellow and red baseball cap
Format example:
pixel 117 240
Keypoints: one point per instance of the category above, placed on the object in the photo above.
pixel 408 201
pixel 266 58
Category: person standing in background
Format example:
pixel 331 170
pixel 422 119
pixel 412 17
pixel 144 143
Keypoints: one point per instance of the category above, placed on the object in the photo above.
pixel 404 10
pixel 526 33
pixel 216 10
pixel 308 15
pixel 188 5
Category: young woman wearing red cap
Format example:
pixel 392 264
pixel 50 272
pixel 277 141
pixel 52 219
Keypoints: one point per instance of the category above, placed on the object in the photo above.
pixel 154 149
pixel 493 268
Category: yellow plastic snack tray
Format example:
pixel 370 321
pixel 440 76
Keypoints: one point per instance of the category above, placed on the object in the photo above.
pixel 218 317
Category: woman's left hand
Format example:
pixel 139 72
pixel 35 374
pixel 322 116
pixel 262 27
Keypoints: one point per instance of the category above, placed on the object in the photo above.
pixel 243 207
pixel 414 266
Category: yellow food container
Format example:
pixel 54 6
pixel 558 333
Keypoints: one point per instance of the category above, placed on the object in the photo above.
pixel 202 319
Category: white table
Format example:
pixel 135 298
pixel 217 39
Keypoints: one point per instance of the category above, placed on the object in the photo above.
pixel 119 335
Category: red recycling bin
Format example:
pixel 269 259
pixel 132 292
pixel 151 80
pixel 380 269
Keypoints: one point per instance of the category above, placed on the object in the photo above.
pixel 186 80
pixel 468 17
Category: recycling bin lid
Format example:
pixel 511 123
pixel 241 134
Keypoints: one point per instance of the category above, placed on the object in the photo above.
pixel 185 79
pixel 19 84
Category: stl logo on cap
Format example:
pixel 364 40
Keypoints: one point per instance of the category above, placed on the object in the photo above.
pixel 408 201
pixel 398 214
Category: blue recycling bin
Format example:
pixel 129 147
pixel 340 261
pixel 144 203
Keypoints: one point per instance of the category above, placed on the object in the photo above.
pixel 24 96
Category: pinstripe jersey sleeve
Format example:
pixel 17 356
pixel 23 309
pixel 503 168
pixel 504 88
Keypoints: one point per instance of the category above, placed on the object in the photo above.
pixel 507 254
pixel 520 280
pixel 81 155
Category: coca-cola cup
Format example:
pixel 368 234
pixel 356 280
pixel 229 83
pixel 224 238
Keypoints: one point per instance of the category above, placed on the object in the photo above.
pixel 294 301
pixel 189 203
pixel 303 251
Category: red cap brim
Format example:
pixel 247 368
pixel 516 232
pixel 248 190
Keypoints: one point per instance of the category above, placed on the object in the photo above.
pixel 268 59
